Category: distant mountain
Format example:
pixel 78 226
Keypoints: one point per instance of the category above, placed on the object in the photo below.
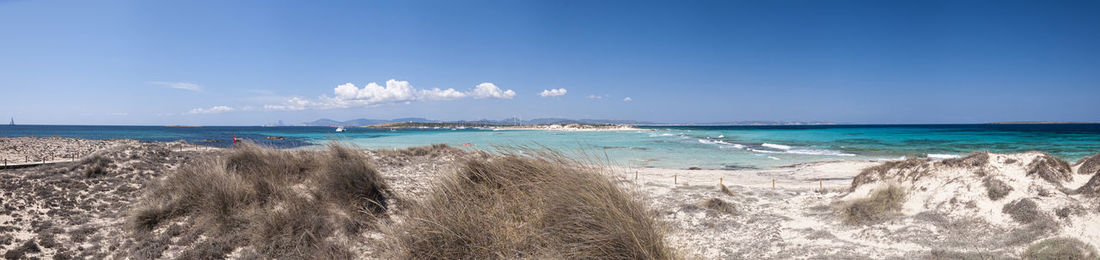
pixel 322 122
pixel 1038 122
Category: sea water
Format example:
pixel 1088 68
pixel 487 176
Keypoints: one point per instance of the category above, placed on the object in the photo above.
pixel 712 147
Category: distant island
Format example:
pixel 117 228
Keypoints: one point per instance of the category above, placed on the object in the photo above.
pixel 562 127
pixel 540 121
pixel 1038 122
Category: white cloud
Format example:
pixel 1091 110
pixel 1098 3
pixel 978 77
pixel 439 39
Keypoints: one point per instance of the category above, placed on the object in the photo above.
pixel 553 92
pixel 179 85
pixel 211 110
pixel 395 91
pixel 594 97
pixel 489 90
pixel 444 94
pixel 627 99
pixel 292 104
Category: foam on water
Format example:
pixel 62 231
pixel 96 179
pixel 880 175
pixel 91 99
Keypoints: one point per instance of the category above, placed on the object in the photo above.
pixel 937 156
pixel 776 146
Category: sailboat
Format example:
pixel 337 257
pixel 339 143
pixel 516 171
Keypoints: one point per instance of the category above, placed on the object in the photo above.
pixel 12 122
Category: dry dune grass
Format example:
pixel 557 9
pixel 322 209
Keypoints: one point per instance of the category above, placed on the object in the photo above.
pixel 427 150
pixel 537 205
pixel 720 205
pixel 882 204
pixel 1051 169
pixel 1089 165
pixel 910 169
pixel 996 188
pixel 1023 210
pixel 282 204
pixel 1092 187
pixel 1062 249
pixel 974 159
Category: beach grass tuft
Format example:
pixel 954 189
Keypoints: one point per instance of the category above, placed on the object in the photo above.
pixel 995 188
pixel 974 159
pixel 427 150
pixel 1051 169
pixel 909 169
pixel 284 204
pixel 882 203
pixel 536 205
pixel 1023 210
pixel 1060 248
pixel 1089 165
pixel 96 165
pixel 720 205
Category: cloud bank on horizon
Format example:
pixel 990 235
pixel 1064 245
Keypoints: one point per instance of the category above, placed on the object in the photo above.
pixel 347 95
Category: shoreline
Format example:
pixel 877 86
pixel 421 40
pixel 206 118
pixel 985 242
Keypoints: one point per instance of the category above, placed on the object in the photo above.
pixel 773 213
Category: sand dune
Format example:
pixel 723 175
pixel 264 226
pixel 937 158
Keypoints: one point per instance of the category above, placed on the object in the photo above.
pixel 983 205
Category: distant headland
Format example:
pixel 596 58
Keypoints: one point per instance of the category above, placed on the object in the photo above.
pixel 1038 122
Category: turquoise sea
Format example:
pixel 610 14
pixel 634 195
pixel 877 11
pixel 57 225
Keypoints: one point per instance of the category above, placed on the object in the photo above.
pixel 713 147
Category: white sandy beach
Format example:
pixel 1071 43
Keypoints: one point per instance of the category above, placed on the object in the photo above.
pixel 777 213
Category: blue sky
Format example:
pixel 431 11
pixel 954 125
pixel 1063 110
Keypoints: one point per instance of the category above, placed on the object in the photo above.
pixel 254 62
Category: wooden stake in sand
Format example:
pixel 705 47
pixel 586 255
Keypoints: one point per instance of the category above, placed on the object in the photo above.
pixel 635 176
pixel 720 181
pixel 821 184
pixel 674 178
pixel 773 183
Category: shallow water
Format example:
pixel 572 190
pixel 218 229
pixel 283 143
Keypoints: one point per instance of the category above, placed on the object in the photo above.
pixel 715 147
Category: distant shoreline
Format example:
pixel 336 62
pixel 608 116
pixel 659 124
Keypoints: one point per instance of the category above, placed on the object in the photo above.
pixel 556 127
pixel 1041 123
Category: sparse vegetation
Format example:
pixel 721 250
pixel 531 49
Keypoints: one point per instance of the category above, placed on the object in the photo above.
pixel 21 251
pixel 1023 210
pixel 284 204
pixel 720 205
pixel 537 206
pixel 1092 187
pixel 1089 165
pixel 975 159
pixel 96 165
pixel 427 150
pixel 910 169
pixel 1051 169
pixel 882 204
pixel 995 188
pixel 1062 248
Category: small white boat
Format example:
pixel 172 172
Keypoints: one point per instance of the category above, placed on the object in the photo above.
pixel 340 129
